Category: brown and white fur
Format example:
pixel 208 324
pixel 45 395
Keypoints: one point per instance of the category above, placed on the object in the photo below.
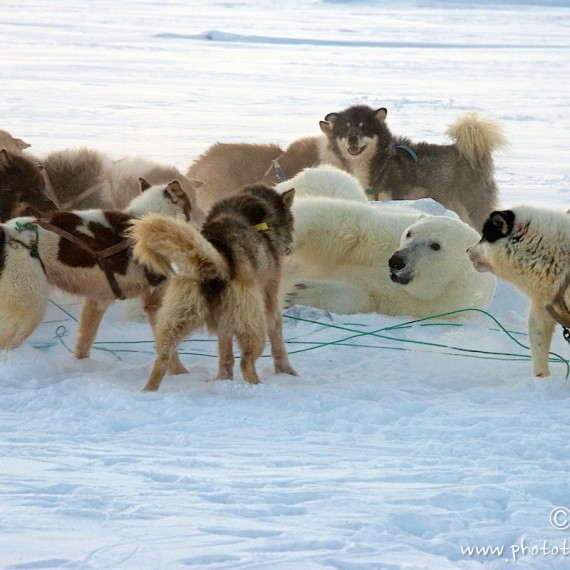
pixel 530 248
pixel 227 278
pixel 225 168
pixel 460 175
pixel 25 279
pixel 84 178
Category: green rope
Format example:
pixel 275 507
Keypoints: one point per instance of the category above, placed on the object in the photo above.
pixel 449 350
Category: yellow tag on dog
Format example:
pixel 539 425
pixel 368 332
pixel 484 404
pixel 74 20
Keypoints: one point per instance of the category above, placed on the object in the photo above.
pixel 260 227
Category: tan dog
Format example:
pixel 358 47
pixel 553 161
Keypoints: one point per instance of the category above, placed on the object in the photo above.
pixel 60 250
pixel 225 168
pixel 227 278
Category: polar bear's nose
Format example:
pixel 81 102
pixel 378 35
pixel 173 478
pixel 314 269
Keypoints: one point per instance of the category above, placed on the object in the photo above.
pixel 396 262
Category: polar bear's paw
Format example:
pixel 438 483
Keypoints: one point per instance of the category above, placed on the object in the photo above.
pixel 302 293
pixel 333 295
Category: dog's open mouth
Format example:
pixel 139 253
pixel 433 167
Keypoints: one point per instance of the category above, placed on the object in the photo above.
pixel 356 150
pixel 400 279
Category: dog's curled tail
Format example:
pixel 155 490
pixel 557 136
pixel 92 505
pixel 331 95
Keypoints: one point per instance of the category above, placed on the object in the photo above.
pixel 161 241
pixel 476 138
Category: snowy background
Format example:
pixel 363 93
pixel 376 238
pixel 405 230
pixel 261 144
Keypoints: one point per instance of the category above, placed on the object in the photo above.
pixel 402 449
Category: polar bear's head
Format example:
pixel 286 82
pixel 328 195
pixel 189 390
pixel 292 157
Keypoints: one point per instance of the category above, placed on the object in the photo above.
pixel 432 255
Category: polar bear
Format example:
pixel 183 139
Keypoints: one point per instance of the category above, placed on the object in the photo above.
pixel 351 257
pixel 529 247
pixel 327 181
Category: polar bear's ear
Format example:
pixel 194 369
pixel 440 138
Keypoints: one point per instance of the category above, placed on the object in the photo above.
pixel 499 225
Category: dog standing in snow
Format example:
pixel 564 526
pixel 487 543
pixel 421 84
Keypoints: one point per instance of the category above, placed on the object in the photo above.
pixel 227 278
pixel 83 253
pixel 459 175
pixel 530 248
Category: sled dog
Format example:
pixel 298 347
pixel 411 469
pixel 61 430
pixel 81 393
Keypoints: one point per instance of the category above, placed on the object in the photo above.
pixel 83 253
pixel 529 247
pixel 460 175
pixel 227 278
pixel 84 178
pixel 225 168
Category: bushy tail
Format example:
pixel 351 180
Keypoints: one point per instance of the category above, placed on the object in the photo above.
pixel 476 139
pixel 160 241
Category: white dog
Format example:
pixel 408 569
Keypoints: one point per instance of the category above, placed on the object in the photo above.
pixel 83 253
pixel 351 257
pixel 530 248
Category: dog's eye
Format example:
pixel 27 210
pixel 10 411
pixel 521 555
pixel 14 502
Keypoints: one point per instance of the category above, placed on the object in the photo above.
pixel 435 246
pixel 409 235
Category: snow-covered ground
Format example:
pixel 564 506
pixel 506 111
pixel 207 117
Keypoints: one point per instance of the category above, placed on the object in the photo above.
pixel 415 446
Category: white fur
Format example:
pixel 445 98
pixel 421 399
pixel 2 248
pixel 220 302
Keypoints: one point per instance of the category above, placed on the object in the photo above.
pixel 325 180
pixel 537 265
pixel 341 252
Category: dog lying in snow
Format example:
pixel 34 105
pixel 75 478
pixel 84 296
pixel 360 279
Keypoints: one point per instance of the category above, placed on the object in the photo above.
pixel 530 248
pixel 36 254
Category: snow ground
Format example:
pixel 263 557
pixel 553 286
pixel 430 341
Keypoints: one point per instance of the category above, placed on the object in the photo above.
pixel 397 447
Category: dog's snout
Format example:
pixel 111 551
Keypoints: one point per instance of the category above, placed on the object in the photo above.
pixel 396 262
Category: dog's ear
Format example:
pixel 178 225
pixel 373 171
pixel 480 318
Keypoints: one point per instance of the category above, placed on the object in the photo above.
pixel 287 197
pixel 22 144
pixel 381 114
pixel 144 184
pixel 174 191
pixel 326 127
pixel 5 160
pixel 331 118
pixel 499 225
pixel 195 183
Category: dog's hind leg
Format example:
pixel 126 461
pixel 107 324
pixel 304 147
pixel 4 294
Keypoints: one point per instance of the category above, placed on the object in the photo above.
pixel 226 357
pixel 275 333
pixel 152 300
pixel 177 317
pixel 89 321
pixel 251 346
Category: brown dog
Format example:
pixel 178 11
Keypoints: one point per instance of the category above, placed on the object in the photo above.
pixel 228 279
pixel 225 168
